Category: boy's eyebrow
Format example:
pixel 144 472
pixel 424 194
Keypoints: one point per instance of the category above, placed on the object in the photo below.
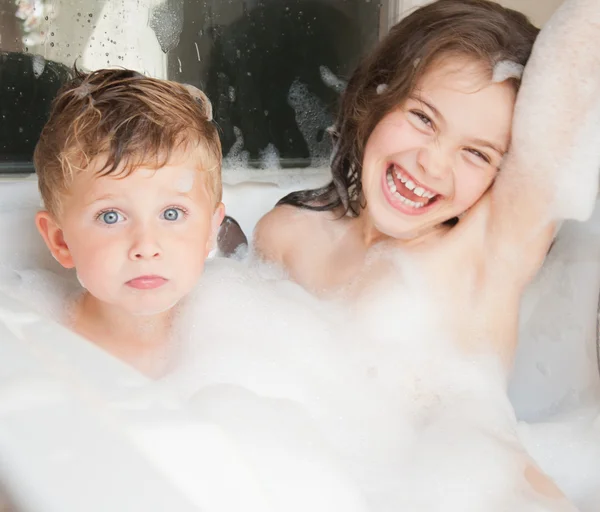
pixel 103 197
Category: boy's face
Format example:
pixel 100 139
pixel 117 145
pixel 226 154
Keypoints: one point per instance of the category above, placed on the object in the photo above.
pixel 139 242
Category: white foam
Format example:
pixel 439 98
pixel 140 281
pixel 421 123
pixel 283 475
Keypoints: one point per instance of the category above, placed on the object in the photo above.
pixel 269 157
pixel 331 80
pixel 39 64
pixel 506 69
pixel 312 119
pixel 381 88
pixel 45 292
pixel 199 96
pixel 557 116
pixel 83 90
pixel 185 181
pixel 237 158
pixel 326 407
pixel 399 411
pixel 166 20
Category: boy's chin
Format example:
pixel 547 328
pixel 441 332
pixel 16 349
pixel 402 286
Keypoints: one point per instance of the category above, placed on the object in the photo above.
pixel 145 308
pixel 153 310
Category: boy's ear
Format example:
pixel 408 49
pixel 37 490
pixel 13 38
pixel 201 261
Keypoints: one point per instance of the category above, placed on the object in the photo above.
pixel 217 219
pixel 53 236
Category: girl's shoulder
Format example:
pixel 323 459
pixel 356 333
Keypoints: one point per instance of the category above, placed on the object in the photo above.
pixel 285 228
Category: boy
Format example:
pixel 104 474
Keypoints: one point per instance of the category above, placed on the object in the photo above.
pixel 129 170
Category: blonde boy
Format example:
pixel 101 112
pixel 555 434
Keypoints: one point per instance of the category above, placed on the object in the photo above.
pixel 129 170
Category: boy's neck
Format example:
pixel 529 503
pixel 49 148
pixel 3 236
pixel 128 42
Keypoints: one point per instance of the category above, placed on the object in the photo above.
pixel 144 342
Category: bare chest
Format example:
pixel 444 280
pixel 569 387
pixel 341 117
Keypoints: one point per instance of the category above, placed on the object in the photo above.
pixel 437 293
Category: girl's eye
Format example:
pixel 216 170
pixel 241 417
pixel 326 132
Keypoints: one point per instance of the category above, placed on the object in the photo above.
pixel 479 155
pixel 172 214
pixel 110 217
pixel 422 117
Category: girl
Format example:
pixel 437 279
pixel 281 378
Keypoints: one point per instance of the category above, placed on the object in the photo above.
pixel 422 171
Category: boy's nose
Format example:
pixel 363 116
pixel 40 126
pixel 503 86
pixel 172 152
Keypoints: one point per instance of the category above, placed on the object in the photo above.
pixel 145 247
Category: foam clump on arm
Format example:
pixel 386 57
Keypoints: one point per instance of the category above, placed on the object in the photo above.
pixel 555 150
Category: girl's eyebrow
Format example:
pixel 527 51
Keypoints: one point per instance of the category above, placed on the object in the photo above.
pixel 428 105
pixel 479 142
pixel 488 144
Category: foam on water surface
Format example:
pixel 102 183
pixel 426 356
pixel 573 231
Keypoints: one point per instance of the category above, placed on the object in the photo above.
pixel 408 418
pixel 387 421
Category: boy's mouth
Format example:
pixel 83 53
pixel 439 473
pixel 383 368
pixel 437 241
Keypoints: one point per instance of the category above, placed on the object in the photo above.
pixel 146 282
pixel 403 189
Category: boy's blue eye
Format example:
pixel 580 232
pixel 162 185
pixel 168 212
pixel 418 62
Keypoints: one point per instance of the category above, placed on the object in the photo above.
pixel 171 214
pixel 110 217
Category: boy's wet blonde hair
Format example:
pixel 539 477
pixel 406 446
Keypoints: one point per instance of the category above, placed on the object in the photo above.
pixel 128 120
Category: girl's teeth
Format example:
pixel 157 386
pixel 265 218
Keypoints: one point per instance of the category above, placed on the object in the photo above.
pixel 420 191
pixel 409 202
pixel 391 184
pixel 423 193
pixel 397 195
pixel 399 175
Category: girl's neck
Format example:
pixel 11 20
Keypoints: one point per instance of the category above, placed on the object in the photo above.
pixel 371 236
pixel 368 233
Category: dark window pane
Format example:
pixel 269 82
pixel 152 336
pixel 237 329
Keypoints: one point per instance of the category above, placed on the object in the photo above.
pixel 272 68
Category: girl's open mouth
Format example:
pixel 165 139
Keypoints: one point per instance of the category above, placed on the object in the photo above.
pixel 403 191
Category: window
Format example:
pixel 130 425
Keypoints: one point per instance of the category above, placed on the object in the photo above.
pixel 272 68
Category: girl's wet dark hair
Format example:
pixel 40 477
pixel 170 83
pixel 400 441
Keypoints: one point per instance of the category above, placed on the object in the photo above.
pixel 479 29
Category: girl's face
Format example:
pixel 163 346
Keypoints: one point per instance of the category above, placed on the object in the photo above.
pixel 434 156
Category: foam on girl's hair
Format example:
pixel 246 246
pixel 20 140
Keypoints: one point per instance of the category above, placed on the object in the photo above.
pixel 381 88
pixel 506 69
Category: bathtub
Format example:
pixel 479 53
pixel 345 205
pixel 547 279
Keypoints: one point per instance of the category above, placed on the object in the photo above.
pixel 67 409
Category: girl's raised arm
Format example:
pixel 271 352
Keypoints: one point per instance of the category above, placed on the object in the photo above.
pixel 551 170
